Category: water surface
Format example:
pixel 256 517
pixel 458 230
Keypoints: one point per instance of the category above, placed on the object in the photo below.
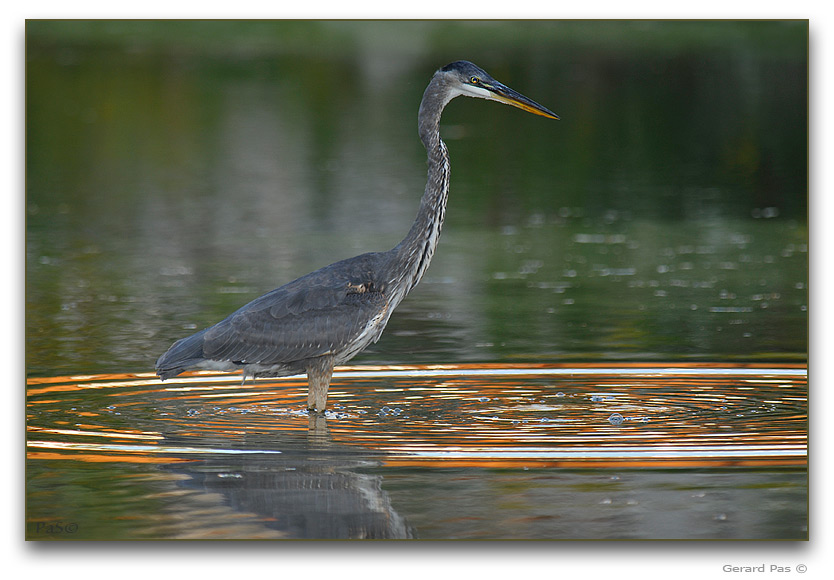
pixel 399 445
pixel 663 218
pixel 610 342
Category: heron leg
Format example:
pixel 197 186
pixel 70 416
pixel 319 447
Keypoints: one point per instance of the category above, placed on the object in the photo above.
pixel 319 373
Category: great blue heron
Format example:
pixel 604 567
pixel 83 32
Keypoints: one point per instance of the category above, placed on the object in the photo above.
pixel 328 316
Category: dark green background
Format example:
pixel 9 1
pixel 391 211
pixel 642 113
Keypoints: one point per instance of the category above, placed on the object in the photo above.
pixel 176 170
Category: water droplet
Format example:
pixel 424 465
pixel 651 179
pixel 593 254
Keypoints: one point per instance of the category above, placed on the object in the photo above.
pixel 615 419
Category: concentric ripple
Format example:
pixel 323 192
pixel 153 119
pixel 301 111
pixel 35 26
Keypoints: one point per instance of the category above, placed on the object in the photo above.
pixel 442 415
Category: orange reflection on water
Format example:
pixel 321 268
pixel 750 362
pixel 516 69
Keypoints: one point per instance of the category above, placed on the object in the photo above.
pixel 682 415
pixel 104 458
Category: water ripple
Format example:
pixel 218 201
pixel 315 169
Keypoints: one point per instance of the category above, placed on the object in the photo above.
pixel 444 415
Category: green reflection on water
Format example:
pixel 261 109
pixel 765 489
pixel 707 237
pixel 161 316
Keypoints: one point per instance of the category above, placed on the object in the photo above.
pixel 177 170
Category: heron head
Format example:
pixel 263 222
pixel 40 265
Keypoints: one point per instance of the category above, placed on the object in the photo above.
pixel 473 81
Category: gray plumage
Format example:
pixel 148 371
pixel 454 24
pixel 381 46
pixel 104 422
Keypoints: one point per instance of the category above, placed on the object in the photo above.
pixel 328 316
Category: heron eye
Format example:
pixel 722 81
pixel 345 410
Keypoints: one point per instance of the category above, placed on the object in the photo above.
pixel 475 80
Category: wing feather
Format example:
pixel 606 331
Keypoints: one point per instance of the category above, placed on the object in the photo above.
pixel 315 315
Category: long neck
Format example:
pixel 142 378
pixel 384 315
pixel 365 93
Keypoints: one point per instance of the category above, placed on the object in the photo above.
pixel 411 257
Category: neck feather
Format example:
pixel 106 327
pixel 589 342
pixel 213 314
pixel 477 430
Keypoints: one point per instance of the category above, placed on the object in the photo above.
pixel 412 256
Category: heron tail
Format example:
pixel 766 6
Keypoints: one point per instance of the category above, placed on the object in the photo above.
pixel 184 354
